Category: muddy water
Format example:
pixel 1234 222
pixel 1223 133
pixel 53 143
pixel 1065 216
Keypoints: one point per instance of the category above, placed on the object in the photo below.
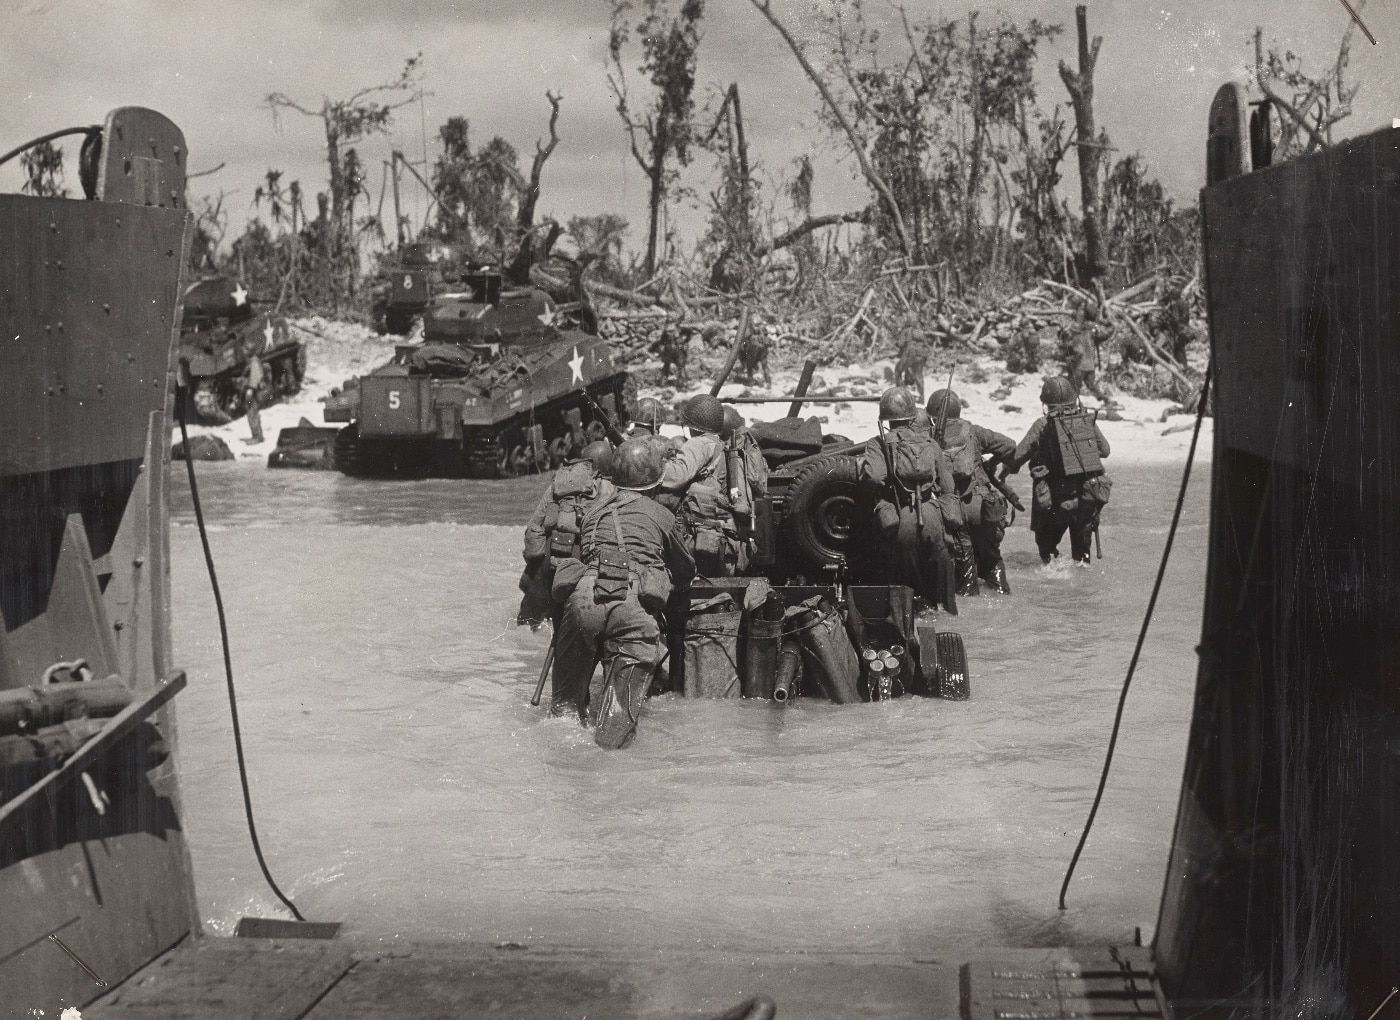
pixel 404 786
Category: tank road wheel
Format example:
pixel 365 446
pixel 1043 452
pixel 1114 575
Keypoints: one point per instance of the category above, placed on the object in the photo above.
pixel 823 505
pixel 515 461
pixel 954 683
pixel 345 451
pixel 559 449
pixel 206 405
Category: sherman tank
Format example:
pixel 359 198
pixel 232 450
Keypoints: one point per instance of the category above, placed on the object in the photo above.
pixel 219 332
pixel 504 383
pixel 409 278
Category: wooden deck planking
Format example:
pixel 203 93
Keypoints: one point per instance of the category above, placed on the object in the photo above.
pixel 229 979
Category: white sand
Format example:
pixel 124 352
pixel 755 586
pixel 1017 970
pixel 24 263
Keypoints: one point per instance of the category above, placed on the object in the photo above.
pixel 337 351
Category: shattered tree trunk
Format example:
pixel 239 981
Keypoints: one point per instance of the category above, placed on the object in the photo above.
pixel 1091 147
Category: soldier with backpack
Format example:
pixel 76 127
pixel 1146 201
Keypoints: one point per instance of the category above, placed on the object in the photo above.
pixel 910 472
pixel 1066 450
pixel 748 479
pixel 698 481
pixel 553 536
pixel 972 451
pixel 633 559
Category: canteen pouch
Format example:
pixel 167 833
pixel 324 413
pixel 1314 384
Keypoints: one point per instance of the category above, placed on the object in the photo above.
pixel 1098 488
pixel 1040 475
pixel 563 536
pixel 614 576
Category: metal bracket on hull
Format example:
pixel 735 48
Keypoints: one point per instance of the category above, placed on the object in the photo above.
pixel 119 726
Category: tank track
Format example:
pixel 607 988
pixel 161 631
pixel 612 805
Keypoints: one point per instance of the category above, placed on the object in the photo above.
pixel 504 450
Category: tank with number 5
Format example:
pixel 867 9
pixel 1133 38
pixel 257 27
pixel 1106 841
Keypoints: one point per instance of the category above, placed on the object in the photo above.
pixel 494 389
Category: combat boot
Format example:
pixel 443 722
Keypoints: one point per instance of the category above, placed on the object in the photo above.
pixel 967 577
pixel 996 578
pixel 621 705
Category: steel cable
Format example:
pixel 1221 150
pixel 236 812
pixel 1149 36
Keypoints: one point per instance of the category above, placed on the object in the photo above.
pixel 228 662
pixel 1142 633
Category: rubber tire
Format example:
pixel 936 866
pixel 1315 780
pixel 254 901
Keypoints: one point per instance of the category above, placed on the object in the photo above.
pixel 954 684
pixel 822 494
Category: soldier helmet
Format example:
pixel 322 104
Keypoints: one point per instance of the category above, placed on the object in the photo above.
pixel 733 421
pixel 649 412
pixel 939 398
pixel 704 414
pixel 600 455
pixel 1058 391
pixel 636 465
pixel 897 404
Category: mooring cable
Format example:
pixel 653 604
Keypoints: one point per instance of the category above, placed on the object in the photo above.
pixel 1142 633
pixel 181 399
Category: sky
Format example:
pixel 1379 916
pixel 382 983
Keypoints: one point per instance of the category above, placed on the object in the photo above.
pixel 209 65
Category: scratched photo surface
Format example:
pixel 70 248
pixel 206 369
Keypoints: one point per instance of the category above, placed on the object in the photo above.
pixel 401 782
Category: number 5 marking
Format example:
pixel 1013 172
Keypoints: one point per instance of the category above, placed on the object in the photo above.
pixel 394 399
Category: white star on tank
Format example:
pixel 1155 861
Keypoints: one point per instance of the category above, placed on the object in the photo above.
pixel 240 295
pixel 576 365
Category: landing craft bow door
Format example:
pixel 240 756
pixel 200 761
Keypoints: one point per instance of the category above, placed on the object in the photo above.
pixel 143 159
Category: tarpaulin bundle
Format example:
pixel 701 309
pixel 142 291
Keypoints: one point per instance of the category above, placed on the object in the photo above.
pixel 828 657
pixel 711 657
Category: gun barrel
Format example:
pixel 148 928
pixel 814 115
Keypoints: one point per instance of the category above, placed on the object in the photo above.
pixel 789 671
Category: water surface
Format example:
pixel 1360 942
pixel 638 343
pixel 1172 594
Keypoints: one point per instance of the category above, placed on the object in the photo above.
pixel 404 786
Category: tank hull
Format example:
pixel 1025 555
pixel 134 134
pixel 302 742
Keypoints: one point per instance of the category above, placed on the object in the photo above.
pixel 514 411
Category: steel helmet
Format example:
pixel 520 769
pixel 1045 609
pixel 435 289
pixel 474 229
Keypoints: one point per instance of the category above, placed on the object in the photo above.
pixel 704 414
pixel 936 402
pixel 1058 391
pixel 600 454
pixel 897 404
pixel 636 465
pixel 733 421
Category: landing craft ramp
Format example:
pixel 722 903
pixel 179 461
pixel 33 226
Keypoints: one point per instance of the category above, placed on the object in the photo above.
pixel 1282 895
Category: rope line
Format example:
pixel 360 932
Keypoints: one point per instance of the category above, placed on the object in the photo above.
pixel 1142 633
pixel 228 665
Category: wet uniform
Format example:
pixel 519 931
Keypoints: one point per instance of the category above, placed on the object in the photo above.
pixel 634 555
pixel 697 477
pixel 909 513
pixel 1063 501
pixel 984 508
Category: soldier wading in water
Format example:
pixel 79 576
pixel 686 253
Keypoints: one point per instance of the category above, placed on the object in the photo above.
pixel 1066 450
pixel 973 451
pixel 911 472
pixel 634 557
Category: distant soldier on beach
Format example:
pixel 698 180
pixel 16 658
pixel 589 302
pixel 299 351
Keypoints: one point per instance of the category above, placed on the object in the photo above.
pixel 1082 366
pixel 1066 450
pixel 251 383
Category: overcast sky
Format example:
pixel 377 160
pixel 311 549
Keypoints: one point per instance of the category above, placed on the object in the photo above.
pixel 209 64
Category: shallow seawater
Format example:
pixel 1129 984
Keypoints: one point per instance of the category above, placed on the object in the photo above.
pixel 403 785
